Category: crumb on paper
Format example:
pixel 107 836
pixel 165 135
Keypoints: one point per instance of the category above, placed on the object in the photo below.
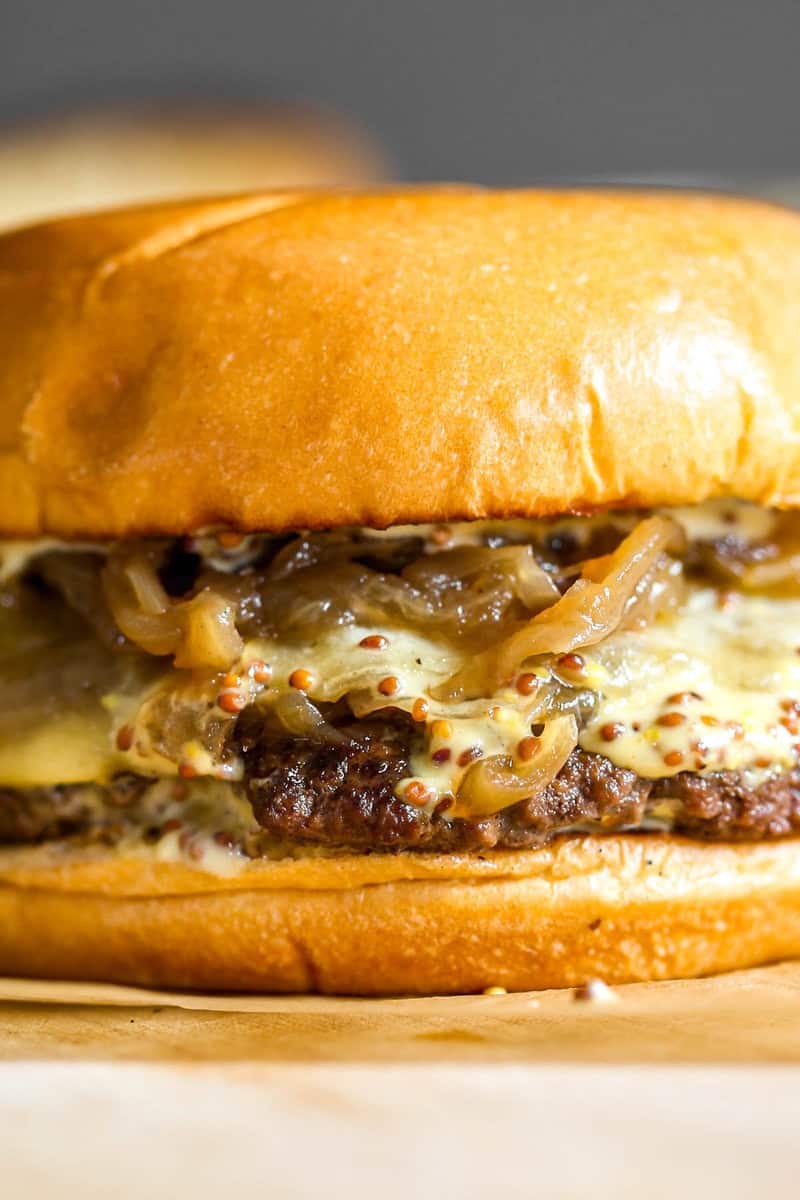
pixel 496 990
pixel 595 991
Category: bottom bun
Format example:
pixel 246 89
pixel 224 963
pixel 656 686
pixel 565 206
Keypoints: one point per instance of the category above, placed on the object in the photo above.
pixel 633 907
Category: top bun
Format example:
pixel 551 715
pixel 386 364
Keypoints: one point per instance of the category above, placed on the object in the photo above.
pixel 300 360
pixel 90 160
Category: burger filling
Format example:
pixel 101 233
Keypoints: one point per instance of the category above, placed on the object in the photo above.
pixel 476 685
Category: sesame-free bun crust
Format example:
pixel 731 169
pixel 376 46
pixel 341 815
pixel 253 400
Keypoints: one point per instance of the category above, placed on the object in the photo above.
pixel 282 361
pixel 619 908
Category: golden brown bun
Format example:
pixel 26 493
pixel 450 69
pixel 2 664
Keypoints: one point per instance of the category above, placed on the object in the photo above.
pixel 281 361
pixel 619 908
pixel 94 160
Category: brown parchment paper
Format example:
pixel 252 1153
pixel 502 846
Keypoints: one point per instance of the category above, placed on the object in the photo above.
pixel 748 1016
pixel 684 1089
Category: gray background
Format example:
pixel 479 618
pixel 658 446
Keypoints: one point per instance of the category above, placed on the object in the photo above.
pixel 501 91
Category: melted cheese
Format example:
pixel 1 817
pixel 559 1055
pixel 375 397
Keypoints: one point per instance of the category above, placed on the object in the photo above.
pixel 709 688
pixel 720 518
pixel 741 660
pixel 70 748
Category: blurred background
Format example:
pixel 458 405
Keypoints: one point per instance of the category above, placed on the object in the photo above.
pixel 103 101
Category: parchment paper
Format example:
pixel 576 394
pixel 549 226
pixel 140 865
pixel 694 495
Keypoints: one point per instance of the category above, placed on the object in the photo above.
pixel 744 1017
pixel 674 1089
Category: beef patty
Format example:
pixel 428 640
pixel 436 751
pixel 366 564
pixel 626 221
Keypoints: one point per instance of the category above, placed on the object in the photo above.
pixel 343 794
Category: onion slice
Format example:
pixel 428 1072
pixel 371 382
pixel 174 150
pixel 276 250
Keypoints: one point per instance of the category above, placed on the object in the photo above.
pixel 209 637
pixel 491 784
pixel 535 588
pixel 485 566
pixel 303 719
pixel 588 612
pixel 200 632
pixel 781 573
pixel 771 565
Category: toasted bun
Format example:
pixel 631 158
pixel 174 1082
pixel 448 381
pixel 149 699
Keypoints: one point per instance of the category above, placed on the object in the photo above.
pixel 281 361
pixel 618 908
pixel 128 156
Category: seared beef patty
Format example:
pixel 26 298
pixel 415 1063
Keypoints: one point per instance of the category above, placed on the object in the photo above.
pixel 721 806
pixel 345 795
pixel 342 794
pixel 45 814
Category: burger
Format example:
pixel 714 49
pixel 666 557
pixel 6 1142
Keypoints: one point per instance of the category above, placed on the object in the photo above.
pixel 400 591
pixel 133 154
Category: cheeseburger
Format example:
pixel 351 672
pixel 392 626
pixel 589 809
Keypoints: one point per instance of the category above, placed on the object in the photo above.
pixel 400 593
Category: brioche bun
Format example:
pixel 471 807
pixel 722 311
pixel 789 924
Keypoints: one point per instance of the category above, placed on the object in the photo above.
pixel 298 360
pixel 292 360
pixel 90 160
pixel 633 907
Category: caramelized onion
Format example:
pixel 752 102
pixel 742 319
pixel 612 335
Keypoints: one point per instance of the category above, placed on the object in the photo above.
pixel 663 587
pixel 146 586
pixel 481 567
pixel 76 576
pixel 334 579
pixel 200 632
pixel 209 637
pixel 766 566
pixel 303 719
pixel 769 565
pixel 492 784
pixel 588 612
pixel 461 593
pixel 535 588
pixel 766 576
